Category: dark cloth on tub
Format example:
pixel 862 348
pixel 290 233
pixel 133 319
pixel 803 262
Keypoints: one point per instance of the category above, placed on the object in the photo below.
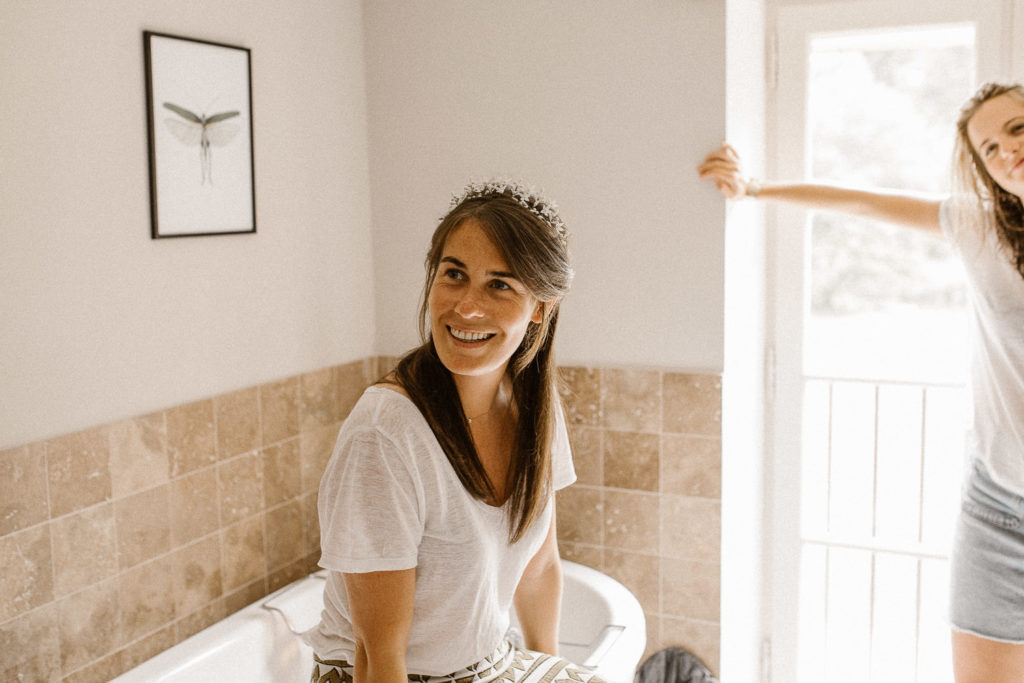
pixel 674 665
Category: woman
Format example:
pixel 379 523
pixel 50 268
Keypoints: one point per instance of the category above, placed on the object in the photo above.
pixel 984 221
pixel 436 508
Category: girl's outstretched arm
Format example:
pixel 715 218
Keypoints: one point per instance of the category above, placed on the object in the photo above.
pixel 900 208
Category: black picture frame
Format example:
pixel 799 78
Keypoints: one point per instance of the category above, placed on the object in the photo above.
pixel 201 165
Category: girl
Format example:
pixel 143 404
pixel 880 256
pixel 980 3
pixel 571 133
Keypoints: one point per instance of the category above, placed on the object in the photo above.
pixel 984 221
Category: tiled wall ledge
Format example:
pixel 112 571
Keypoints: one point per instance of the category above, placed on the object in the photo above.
pixel 119 541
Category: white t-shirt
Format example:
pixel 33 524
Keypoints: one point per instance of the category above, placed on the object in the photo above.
pixel 390 500
pixel 996 290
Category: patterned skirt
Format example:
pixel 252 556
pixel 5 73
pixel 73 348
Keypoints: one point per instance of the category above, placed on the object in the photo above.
pixel 505 664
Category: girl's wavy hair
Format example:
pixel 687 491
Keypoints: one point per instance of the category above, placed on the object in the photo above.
pixel 532 239
pixel 970 177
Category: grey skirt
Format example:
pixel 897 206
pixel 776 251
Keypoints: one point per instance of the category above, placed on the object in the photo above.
pixel 987 564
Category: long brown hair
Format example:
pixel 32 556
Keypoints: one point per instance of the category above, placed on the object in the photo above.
pixel 970 176
pixel 535 249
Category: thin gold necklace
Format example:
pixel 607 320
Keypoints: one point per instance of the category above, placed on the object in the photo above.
pixel 489 410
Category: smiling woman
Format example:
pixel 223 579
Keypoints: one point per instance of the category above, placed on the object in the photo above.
pixel 437 507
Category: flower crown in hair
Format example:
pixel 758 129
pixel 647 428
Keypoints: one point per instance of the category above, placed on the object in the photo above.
pixel 528 197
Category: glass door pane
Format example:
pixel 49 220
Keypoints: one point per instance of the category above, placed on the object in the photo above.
pixel 883 348
pixel 885 302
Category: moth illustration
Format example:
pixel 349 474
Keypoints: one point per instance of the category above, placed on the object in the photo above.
pixel 205 131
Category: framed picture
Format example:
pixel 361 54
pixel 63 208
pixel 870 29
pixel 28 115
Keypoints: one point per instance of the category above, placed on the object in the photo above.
pixel 199 102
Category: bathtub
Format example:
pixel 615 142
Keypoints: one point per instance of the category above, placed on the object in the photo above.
pixel 602 628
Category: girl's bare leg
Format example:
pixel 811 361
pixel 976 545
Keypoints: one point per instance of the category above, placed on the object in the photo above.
pixel 980 660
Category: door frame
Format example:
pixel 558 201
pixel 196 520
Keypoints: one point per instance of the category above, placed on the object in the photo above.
pixel 789 38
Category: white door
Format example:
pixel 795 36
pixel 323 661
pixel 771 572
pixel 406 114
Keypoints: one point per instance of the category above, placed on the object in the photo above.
pixel 867 329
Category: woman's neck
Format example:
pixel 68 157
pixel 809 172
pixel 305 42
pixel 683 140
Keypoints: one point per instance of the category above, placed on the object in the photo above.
pixel 482 395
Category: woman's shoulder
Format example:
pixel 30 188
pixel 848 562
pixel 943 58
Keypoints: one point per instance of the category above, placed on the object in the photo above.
pixel 966 219
pixel 965 201
pixel 390 382
pixel 386 413
pixel 382 403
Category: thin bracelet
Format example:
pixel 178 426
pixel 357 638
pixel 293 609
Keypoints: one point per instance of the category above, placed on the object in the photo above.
pixel 753 187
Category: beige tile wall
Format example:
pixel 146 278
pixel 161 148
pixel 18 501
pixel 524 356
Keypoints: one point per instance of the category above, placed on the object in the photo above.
pixel 646 508
pixel 119 541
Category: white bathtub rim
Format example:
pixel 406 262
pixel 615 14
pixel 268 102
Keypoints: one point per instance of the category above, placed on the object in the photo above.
pixel 269 615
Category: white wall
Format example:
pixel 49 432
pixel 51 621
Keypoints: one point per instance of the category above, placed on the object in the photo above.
pixel 607 105
pixel 98 321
